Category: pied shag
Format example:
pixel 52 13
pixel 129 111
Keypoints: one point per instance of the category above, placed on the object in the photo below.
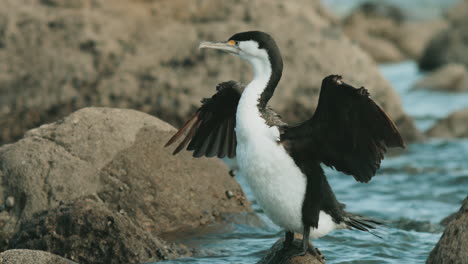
pixel 281 162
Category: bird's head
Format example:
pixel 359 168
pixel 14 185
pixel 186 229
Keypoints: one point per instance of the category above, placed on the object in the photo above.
pixel 256 47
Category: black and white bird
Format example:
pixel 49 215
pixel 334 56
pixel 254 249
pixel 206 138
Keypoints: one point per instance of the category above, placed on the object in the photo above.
pixel 281 162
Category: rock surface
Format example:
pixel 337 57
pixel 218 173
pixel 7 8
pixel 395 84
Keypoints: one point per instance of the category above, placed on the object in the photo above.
pixel 59 56
pixel 453 126
pixel 450 45
pixel 116 156
pixel 448 78
pixel 86 231
pixel 384 31
pixel 452 246
pixel 276 255
pixel 26 256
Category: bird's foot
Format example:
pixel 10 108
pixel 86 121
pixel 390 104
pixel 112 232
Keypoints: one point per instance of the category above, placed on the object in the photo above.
pixel 310 249
pixel 315 252
pixel 300 253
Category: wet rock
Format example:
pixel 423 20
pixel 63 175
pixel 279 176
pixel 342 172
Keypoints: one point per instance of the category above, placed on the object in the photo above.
pixel 418 226
pixel 94 151
pixel 64 59
pixel 449 78
pixel 452 246
pixel 276 255
pixel 87 231
pixel 26 256
pixel 385 32
pixel 453 126
pixel 448 219
pixel 450 45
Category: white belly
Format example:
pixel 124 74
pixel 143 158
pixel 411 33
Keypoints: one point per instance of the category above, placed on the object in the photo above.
pixel 277 183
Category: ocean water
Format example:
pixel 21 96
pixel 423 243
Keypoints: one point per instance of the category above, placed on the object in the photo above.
pixel 413 192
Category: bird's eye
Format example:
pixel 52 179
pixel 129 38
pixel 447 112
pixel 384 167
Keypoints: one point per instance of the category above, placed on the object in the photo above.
pixel 232 42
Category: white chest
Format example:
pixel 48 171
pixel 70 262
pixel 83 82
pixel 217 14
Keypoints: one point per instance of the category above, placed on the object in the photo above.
pixel 275 180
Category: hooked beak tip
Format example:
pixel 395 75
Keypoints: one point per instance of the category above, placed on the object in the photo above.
pixel 224 46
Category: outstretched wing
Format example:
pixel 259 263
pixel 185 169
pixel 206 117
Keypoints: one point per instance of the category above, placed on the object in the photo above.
pixel 348 131
pixel 210 131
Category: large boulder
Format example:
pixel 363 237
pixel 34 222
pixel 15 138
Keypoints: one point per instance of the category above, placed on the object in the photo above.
pixel 453 126
pixel 387 34
pixel 116 156
pixel 26 256
pixel 450 45
pixel 451 77
pixel 452 246
pixel 86 231
pixel 58 56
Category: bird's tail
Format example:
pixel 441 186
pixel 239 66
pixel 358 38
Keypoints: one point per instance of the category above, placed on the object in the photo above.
pixel 357 222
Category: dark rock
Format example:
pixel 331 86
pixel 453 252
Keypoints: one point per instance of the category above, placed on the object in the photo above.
pixel 448 219
pixel 449 78
pixel 418 226
pixel 413 36
pixel 452 246
pixel 384 31
pixel 372 9
pixel 64 59
pixel 450 45
pixel 26 256
pixel 87 231
pixel 276 255
pixel 453 126
pixel 116 155
pixel 65 3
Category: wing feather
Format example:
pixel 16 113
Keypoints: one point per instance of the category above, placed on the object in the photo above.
pixel 348 131
pixel 210 131
pixel 189 136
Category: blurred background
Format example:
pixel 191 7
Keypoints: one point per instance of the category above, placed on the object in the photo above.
pixel 57 56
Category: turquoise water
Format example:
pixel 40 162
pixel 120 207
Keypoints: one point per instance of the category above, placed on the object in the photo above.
pixel 413 192
pixel 424 106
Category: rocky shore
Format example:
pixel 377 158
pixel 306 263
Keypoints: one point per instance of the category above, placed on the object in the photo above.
pixel 87 179
pixel 388 34
pixel 98 187
pixel 59 56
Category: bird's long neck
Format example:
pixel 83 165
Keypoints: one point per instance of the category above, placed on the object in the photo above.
pixel 267 74
pixel 256 96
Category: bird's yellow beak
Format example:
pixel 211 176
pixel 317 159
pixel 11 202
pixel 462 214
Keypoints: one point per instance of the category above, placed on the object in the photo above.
pixel 228 46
